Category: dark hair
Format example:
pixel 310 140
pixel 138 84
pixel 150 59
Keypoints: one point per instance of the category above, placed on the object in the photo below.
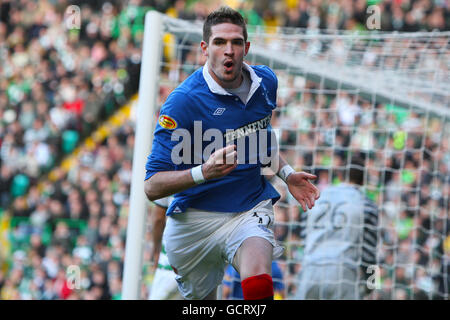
pixel 356 172
pixel 224 14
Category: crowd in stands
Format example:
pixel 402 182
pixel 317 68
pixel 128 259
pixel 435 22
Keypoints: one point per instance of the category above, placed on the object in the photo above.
pixel 57 85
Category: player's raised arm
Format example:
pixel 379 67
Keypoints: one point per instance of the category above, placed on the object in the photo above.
pixel 299 184
pixel 165 183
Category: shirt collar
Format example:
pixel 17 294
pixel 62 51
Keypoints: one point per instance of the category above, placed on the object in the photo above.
pixel 216 88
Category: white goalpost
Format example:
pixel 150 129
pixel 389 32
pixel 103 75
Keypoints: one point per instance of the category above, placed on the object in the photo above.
pixel 385 95
pixel 145 125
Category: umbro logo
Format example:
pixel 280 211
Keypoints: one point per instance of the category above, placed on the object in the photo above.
pixel 219 111
pixel 177 209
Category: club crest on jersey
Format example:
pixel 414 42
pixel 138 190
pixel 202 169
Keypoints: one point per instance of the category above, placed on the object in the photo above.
pixel 167 122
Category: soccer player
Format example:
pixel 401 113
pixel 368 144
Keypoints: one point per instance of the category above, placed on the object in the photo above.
pixel 340 241
pixel 222 211
pixel 232 289
pixel 164 286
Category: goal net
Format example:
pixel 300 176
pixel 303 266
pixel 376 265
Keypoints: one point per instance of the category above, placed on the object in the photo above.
pixel 383 95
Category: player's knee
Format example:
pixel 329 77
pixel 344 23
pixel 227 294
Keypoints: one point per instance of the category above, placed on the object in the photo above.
pixel 254 269
pixel 256 265
pixel 254 258
pixel 259 287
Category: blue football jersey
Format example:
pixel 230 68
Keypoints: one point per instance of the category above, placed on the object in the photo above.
pixel 200 104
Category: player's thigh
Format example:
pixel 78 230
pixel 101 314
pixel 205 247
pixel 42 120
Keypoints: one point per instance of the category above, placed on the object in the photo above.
pixel 194 249
pixel 251 245
pixel 190 239
pixel 254 257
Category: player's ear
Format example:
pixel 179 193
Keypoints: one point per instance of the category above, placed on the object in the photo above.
pixel 247 47
pixel 204 47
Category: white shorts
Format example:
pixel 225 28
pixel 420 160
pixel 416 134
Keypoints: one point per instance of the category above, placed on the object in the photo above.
pixel 199 244
pixel 328 282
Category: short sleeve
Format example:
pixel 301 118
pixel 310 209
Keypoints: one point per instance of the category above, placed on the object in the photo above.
pixel 173 116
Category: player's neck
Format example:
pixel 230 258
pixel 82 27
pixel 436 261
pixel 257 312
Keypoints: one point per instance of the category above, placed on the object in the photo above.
pixel 237 83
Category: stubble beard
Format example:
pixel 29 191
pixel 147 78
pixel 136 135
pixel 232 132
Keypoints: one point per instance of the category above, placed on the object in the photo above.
pixel 226 80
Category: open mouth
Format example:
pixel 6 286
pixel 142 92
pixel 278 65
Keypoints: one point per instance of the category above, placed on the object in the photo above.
pixel 228 65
